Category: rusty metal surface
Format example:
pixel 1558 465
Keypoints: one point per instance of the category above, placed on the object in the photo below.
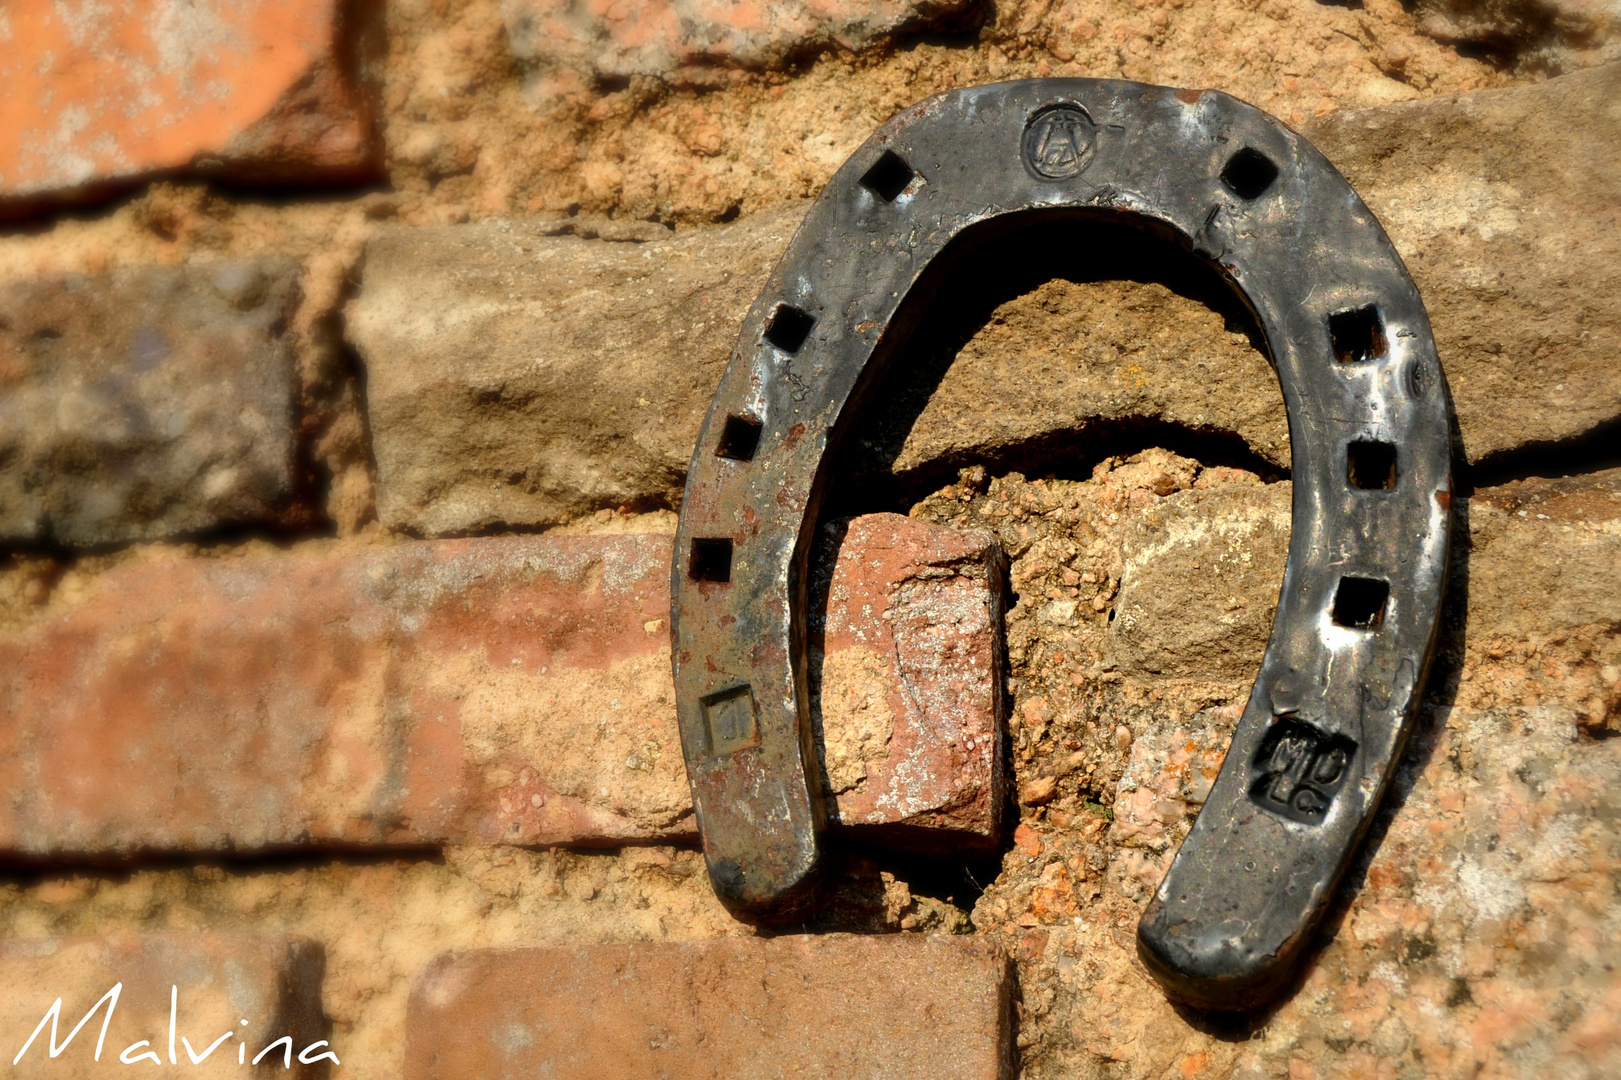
pixel 1369 421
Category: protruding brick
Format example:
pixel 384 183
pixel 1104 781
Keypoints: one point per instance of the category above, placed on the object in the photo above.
pixel 146 403
pixel 910 688
pixel 261 90
pixel 231 996
pixel 503 690
pixel 743 1008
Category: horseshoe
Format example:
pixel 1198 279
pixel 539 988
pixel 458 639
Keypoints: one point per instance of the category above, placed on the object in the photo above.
pixel 1369 424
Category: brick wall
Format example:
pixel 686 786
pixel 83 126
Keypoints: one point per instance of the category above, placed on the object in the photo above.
pixel 351 358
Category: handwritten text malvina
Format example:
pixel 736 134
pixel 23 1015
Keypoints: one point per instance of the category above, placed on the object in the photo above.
pixel 141 1051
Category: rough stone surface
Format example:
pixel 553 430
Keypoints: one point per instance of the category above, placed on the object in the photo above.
pixel 1077 362
pixel 1506 207
pixel 1513 594
pixel 1490 873
pixel 256 90
pixel 659 37
pixel 147 403
pixel 1544 629
pixel 1537 34
pixel 1201 574
pixel 517 376
pixel 231 991
pixel 1479 939
pixel 1200 582
pixel 830 1006
pixel 509 690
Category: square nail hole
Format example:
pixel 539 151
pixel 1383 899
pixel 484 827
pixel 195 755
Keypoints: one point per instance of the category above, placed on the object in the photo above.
pixel 789 328
pixel 888 177
pixel 1359 603
pixel 711 560
pixel 1370 465
pixel 1249 173
pixel 739 438
pixel 1358 335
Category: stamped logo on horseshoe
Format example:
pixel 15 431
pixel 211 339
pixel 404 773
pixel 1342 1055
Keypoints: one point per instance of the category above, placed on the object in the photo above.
pixel 1059 142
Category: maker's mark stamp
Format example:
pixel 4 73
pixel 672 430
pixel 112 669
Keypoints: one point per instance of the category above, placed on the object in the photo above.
pixel 1299 770
pixel 1059 142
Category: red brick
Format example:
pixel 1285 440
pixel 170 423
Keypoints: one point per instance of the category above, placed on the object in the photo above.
pixel 219 980
pixel 499 690
pixel 924 604
pixel 262 90
pixel 831 1006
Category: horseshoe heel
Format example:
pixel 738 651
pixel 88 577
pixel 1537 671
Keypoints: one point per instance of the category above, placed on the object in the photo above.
pixel 1369 421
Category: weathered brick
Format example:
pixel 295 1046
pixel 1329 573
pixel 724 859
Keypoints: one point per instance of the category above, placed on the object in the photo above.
pixel 244 992
pixel 1545 555
pixel 514 376
pixel 146 403
pixel 261 90
pixel 910 687
pixel 1506 207
pixel 520 378
pixel 831 1006
pixel 503 690
pixel 658 37
pixel 1201 570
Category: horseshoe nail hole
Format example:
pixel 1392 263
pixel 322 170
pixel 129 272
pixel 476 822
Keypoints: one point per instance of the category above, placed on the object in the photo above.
pixel 888 177
pixel 739 438
pixel 711 560
pixel 1371 466
pixel 789 328
pixel 1359 603
pixel 1249 173
pixel 1358 335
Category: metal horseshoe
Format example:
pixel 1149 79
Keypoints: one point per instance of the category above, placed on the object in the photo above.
pixel 1369 423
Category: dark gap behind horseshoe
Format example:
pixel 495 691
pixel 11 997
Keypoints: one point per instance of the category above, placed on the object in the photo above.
pixel 984 268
